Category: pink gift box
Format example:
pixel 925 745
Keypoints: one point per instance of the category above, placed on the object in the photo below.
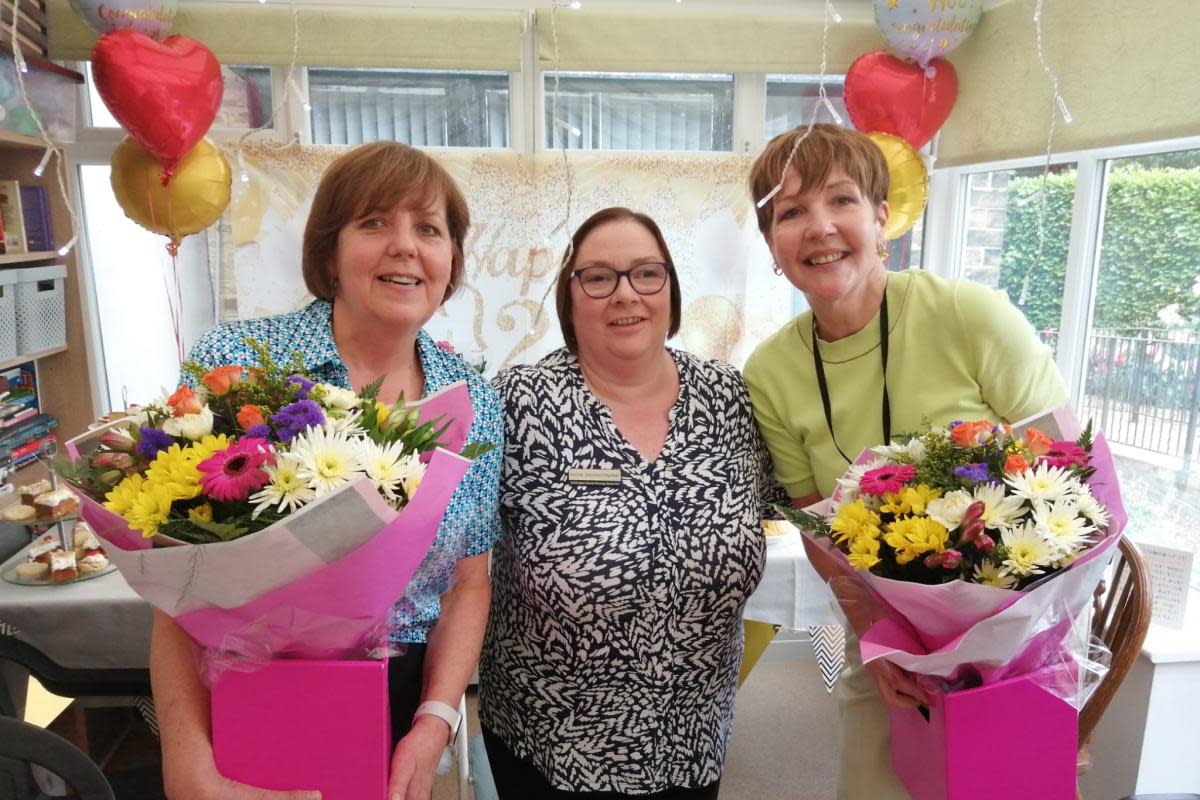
pixel 305 725
pixel 1010 739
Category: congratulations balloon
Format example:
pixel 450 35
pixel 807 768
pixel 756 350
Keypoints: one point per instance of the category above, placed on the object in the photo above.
pixel 166 95
pixel 886 94
pixel 152 18
pixel 926 29
pixel 192 201
pixel 908 183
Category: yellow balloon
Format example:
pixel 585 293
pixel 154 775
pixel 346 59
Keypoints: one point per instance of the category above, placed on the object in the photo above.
pixel 908 183
pixel 193 199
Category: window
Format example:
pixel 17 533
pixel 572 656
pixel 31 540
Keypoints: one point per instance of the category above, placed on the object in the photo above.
pixel 427 109
pixel 1001 240
pixel 246 102
pixel 131 270
pixel 791 100
pixel 1142 363
pixel 635 111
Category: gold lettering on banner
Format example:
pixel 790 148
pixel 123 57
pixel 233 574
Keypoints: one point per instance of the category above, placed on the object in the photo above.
pixel 507 322
pixel 943 26
pixel 944 5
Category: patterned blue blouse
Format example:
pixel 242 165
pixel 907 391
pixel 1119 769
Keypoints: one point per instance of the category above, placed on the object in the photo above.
pixel 472 523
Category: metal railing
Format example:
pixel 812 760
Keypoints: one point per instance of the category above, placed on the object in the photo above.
pixel 1143 389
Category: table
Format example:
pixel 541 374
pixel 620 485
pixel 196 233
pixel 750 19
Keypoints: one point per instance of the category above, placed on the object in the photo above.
pixel 93 624
pixel 792 595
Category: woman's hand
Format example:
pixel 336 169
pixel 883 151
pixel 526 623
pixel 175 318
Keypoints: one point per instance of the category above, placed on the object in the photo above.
pixel 897 686
pixel 212 785
pixel 416 757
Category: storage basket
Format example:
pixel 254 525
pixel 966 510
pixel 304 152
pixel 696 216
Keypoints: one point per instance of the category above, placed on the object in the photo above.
pixel 41 309
pixel 8 314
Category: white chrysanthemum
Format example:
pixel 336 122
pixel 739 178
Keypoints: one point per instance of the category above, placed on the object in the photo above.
pixel 335 398
pixel 910 452
pixel 1090 507
pixel 990 574
pixel 327 458
pixel 190 426
pixel 999 511
pixel 1062 525
pixel 287 490
pixel 1029 551
pixel 348 425
pixel 948 509
pixel 1043 482
pixel 389 467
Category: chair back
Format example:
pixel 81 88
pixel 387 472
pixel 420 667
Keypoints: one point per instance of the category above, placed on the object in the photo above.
pixel 23 745
pixel 1121 616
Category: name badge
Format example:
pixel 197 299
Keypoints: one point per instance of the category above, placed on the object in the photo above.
pixel 594 477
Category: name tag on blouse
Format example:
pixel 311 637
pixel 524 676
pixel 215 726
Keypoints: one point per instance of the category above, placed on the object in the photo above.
pixel 594 477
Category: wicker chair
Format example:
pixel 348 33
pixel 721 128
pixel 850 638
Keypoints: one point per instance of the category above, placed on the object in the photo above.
pixel 1121 617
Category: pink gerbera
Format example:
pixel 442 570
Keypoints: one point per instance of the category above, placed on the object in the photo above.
pixel 889 478
pixel 1065 455
pixel 230 475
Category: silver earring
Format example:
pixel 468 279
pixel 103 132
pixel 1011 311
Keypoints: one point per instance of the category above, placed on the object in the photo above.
pixel 775 266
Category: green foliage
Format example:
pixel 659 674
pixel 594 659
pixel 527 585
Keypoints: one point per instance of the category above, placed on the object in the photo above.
pixel 1149 254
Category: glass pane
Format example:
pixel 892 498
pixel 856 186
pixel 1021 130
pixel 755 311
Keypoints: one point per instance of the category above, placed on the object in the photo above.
pixel 792 101
pixel 635 111
pixel 428 109
pixel 246 102
pixel 1001 242
pixel 131 271
pixel 1142 385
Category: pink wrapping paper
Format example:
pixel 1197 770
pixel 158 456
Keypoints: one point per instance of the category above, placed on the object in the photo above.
pixel 317 584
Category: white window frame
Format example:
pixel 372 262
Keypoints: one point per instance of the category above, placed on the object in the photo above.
pixel 948 197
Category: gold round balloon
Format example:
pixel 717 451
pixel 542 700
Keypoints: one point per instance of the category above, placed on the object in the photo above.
pixel 191 201
pixel 908 183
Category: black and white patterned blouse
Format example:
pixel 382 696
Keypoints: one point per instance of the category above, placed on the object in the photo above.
pixel 615 637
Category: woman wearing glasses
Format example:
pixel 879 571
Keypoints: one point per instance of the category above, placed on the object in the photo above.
pixel 631 497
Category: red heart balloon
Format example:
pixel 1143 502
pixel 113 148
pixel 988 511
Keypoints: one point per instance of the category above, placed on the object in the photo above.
pixel 165 94
pixel 886 94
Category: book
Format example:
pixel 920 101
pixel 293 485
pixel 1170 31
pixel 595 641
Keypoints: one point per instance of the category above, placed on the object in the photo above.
pixel 10 211
pixel 35 213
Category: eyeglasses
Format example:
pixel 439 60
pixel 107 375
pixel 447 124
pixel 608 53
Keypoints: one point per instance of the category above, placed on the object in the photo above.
pixel 600 282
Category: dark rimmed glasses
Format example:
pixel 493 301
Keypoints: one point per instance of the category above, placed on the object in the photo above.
pixel 600 282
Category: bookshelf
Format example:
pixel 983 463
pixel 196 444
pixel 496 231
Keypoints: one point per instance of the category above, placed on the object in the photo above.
pixel 64 376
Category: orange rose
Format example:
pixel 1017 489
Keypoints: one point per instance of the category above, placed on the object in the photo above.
pixel 966 434
pixel 1015 464
pixel 1037 442
pixel 249 416
pixel 220 380
pixel 184 401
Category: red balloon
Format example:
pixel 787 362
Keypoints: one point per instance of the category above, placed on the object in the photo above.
pixel 898 97
pixel 165 94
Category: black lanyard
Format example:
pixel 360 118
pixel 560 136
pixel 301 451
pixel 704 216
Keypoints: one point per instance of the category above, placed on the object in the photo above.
pixel 886 411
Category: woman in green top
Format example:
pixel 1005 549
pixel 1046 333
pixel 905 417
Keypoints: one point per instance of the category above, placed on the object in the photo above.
pixel 877 355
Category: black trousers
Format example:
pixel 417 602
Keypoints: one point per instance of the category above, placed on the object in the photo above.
pixel 517 779
pixel 405 673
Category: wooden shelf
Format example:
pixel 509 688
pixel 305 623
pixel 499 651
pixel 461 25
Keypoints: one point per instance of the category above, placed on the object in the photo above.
pixel 12 362
pixel 21 258
pixel 21 140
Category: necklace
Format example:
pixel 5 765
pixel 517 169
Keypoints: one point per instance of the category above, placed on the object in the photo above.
pixel 886 409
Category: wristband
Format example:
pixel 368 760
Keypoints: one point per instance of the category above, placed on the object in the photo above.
pixel 442 711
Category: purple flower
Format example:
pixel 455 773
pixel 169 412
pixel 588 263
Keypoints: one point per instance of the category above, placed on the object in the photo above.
pixel 152 442
pixel 292 419
pixel 261 431
pixel 302 386
pixel 976 473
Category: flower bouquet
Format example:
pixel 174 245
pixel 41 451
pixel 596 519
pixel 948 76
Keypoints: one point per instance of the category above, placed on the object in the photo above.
pixel 979 546
pixel 289 516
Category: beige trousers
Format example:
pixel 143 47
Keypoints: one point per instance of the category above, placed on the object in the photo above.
pixel 865 772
